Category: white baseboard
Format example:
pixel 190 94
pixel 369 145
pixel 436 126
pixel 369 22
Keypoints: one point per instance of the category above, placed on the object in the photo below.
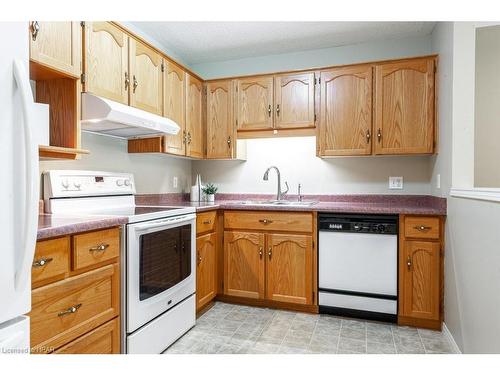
pixel 454 346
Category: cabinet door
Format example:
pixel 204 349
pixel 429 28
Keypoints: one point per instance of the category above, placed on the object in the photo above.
pixel 145 78
pixel 289 268
pixel 194 123
pixel 420 269
pixel 174 107
pixel 294 101
pixel 254 103
pixel 220 127
pixel 404 107
pixel 206 288
pixel 244 264
pixel 57 45
pixel 346 111
pixel 106 61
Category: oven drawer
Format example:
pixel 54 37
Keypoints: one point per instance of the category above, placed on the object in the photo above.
pixel 422 227
pixel 69 308
pixel 205 222
pixel 266 220
pixel 51 261
pixel 90 249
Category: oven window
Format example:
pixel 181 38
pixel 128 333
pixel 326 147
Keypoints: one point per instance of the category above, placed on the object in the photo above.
pixel 165 260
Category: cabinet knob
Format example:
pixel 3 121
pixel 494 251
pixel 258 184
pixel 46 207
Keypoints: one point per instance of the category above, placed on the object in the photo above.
pixel 368 136
pixel 229 141
pixel 35 28
pixel 379 135
pixel 408 262
pixel 135 84
pixel 269 110
pixel 261 252
pixel 41 262
pixel 127 81
pixel 270 253
pixel 277 110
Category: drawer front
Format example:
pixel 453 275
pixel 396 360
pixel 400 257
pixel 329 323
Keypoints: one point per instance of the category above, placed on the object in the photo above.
pixel 422 227
pixel 103 340
pixel 92 248
pixel 266 220
pixel 51 261
pixel 205 222
pixel 72 307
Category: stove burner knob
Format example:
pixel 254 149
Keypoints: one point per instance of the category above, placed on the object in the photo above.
pixel 358 227
pixel 65 184
pixel 119 182
pixel 126 182
pixel 381 228
pixel 77 185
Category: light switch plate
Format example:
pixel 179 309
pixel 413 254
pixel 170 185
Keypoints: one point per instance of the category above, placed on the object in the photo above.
pixel 175 182
pixel 396 183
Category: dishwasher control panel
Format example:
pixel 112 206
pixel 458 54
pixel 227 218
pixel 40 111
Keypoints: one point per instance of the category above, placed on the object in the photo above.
pixel 380 224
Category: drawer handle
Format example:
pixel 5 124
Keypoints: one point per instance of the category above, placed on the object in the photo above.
pixel 70 310
pixel 100 247
pixel 422 228
pixel 206 222
pixel 42 262
pixel 265 221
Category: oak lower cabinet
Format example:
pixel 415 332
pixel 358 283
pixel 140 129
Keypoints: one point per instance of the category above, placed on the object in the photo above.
pixel 57 46
pixel 206 258
pixel 269 258
pixel 76 294
pixel 421 272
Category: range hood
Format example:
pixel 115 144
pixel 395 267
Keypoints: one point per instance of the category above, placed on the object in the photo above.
pixel 107 117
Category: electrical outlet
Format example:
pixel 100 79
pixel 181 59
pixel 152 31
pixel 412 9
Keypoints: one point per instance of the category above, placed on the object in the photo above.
pixel 396 183
pixel 175 182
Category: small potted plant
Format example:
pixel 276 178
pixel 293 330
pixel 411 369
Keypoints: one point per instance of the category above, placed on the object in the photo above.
pixel 210 190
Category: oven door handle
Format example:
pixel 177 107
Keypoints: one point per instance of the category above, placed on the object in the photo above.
pixel 165 222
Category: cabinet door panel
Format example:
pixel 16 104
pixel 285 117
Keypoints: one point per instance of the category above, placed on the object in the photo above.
pixel 255 103
pixel 57 45
pixel 220 128
pixel 194 121
pixel 421 268
pixel 404 107
pixel 244 264
pixel 174 107
pixel 346 111
pixel 145 78
pixel 206 287
pixel 289 268
pixel 106 61
pixel 294 101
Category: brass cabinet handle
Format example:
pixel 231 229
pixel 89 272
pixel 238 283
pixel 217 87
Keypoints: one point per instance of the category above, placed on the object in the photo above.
pixel 70 310
pixel 41 262
pixel 189 138
pixel 277 110
pixel 35 28
pixel 261 252
pixel 368 136
pixel 408 262
pixel 270 253
pixel 184 137
pixel 199 258
pixel 206 222
pixel 269 110
pixel 422 228
pixel 127 81
pixel 100 247
pixel 379 135
pixel 135 84
pixel 229 141
pixel 265 221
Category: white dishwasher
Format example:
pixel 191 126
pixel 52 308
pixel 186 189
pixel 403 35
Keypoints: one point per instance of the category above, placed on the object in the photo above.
pixel 357 265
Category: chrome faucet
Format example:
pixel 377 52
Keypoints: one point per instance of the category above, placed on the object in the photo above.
pixel 280 194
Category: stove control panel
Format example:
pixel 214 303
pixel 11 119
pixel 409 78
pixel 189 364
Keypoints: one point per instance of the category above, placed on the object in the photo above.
pixel 70 183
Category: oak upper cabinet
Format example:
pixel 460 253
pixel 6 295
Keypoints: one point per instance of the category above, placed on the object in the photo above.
pixel 206 277
pixel 254 103
pixel 57 46
pixel 145 78
pixel 221 132
pixel 421 284
pixel 174 107
pixel 294 101
pixel 194 117
pixel 346 111
pixel 244 264
pixel 106 61
pixel 404 107
pixel 289 268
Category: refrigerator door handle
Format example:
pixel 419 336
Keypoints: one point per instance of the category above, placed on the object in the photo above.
pixel 31 169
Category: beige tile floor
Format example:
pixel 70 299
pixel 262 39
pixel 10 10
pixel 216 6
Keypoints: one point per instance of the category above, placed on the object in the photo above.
pixel 227 328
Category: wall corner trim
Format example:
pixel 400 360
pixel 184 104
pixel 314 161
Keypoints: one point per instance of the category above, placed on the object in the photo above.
pixel 454 346
pixel 492 195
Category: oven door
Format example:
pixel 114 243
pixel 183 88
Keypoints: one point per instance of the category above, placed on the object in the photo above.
pixel 160 267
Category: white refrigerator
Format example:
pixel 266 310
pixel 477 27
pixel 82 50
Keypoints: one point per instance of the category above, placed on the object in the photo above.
pixel 19 187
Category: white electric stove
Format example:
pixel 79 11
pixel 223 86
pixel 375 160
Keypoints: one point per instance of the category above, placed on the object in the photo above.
pixel 158 253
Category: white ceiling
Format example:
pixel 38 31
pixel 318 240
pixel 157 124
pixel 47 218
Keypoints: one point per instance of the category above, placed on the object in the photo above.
pixel 200 42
